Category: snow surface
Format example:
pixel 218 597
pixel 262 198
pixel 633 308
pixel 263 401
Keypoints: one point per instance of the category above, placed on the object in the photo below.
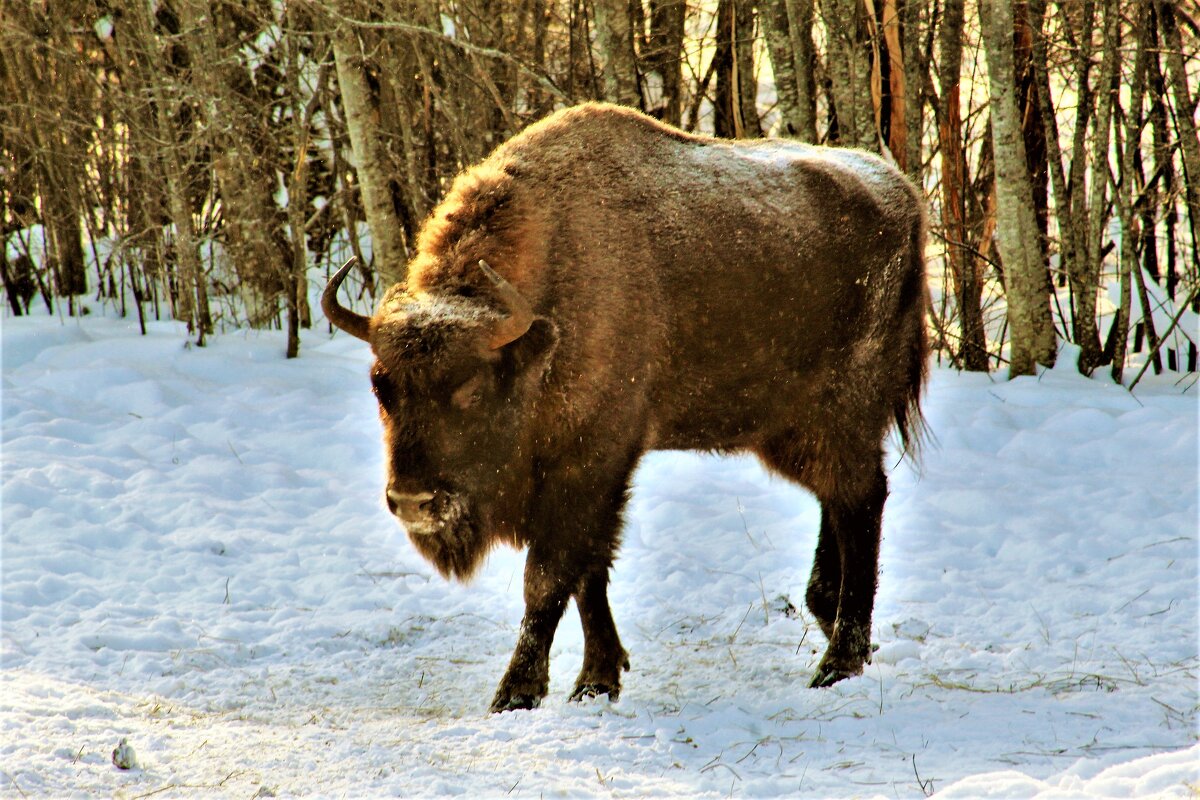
pixel 196 558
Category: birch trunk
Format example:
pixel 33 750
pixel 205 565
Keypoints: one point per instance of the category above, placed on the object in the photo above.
pixel 1030 322
pixel 614 35
pixel 849 63
pixel 800 16
pixel 773 14
pixel 916 72
pixel 372 164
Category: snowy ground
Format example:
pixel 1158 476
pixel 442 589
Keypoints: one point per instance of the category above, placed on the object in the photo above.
pixel 196 558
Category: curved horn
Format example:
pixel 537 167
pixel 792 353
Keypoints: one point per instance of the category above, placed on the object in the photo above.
pixel 354 324
pixel 520 314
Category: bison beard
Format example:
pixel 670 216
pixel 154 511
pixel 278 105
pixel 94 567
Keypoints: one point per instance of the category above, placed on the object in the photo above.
pixel 603 285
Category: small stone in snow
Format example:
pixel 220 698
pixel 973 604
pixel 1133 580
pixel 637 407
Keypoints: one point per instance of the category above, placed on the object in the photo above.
pixel 123 756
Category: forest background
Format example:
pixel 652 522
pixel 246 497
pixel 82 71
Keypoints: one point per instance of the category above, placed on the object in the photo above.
pixel 207 161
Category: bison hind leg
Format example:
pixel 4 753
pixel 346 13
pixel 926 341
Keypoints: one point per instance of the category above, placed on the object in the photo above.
pixel 852 488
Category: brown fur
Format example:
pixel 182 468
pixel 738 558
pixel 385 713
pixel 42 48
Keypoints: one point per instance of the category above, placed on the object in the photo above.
pixel 689 293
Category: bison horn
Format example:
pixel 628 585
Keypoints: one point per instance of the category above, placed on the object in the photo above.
pixel 520 315
pixel 356 325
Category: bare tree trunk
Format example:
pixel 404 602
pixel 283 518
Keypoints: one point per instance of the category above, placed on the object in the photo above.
pixel 191 297
pixel 787 28
pixel 44 78
pixel 1097 209
pixel 614 35
pixel 747 80
pixel 581 79
pixel 1033 340
pixel 372 164
pixel 301 114
pixel 191 294
pixel 964 267
pixel 801 15
pixel 540 100
pixel 1032 130
pixel 888 90
pixel 1185 117
pixel 664 57
pixel 349 208
pixel 1072 227
pixel 1123 192
pixel 735 113
pixel 916 74
pixel 773 14
pixel 849 62
pixel 243 159
pixel 414 187
pixel 61 215
pixel 1081 275
pixel 1164 161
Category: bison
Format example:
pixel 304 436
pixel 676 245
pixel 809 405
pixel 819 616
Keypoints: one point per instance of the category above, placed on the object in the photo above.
pixel 603 285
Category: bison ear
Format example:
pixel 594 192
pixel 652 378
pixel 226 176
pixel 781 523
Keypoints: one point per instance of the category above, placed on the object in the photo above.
pixel 530 353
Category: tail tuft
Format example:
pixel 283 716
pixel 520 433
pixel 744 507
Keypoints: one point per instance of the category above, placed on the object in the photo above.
pixel 914 300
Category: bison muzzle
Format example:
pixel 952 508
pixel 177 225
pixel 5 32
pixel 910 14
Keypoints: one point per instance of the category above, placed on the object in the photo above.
pixel 603 285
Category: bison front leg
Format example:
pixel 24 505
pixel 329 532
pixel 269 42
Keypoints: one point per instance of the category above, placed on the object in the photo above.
pixel 547 590
pixel 575 528
pixel 825 581
pixel 848 548
pixel 603 656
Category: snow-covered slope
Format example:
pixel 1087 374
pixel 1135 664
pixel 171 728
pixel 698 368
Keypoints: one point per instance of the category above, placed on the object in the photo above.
pixel 195 558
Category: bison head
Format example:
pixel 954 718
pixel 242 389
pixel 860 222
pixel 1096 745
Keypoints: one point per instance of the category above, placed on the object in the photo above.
pixel 457 377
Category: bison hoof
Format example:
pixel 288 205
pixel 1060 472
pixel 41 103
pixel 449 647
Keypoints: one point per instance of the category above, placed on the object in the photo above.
pixel 590 690
pixel 516 702
pixel 828 676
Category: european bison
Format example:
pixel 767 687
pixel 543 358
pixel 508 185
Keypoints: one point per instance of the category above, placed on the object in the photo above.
pixel 602 285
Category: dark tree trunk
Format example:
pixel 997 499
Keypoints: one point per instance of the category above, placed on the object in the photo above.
pixel 735 113
pixel 964 266
pixel 663 57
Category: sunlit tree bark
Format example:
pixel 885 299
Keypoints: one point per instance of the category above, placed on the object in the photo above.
pixel 371 160
pixel 1026 280
pixel 614 35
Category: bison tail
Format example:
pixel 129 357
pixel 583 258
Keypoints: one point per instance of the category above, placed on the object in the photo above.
pixel 914 300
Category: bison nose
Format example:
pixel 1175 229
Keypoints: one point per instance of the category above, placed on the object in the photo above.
pixel 410 506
